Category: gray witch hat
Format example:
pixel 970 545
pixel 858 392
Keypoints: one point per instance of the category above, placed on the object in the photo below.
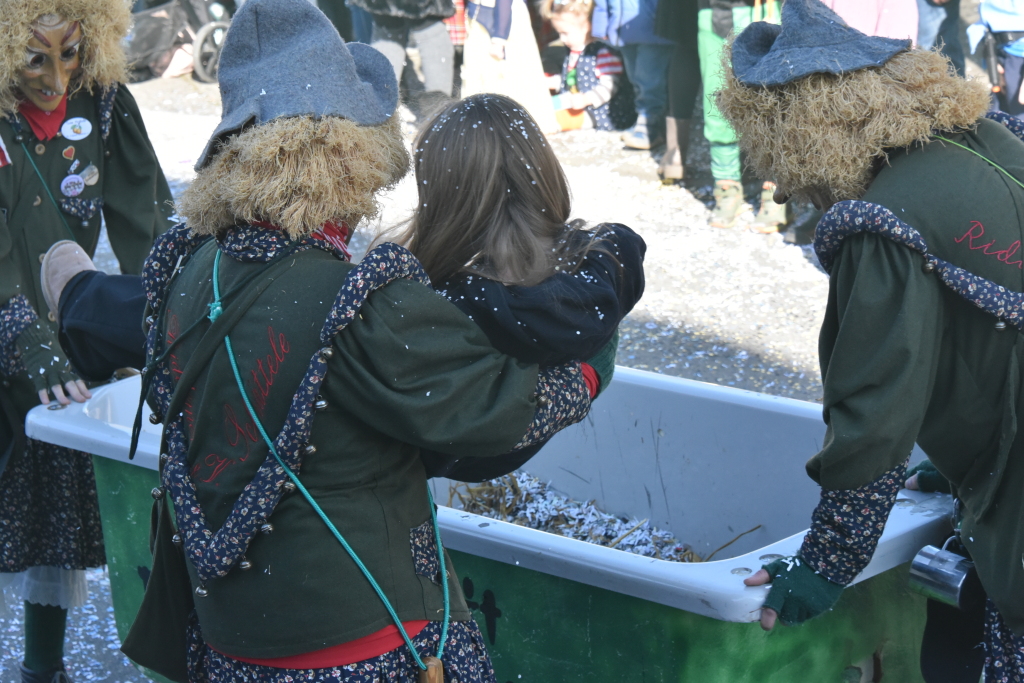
pixel 812 39
pixel 285 58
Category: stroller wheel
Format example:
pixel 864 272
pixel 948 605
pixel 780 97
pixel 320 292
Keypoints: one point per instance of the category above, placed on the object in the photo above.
pixel 206 50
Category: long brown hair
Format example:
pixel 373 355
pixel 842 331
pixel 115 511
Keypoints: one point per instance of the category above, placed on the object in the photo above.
pixel 493 198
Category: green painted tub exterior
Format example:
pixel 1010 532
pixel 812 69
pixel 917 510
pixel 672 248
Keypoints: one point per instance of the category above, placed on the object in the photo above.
pixel 545 628
pixel 126 502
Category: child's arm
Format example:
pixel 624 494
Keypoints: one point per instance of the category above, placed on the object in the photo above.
pixel 569 316
pixel 609 68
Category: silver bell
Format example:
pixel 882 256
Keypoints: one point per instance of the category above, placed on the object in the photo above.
pixel 267 528
pixel 1000 326
pixel 289 487
pixel 245 565
pixel 157 493
pixel 177 540
pixel 201 592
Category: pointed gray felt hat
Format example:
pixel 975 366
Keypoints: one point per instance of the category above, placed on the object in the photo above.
pixel 812 39
pixel 284 58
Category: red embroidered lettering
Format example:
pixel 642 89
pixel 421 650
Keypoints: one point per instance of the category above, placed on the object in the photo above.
pixel 976 232
pixel 173 328
pixel 238 435
pixel 218 464
pixel 267 368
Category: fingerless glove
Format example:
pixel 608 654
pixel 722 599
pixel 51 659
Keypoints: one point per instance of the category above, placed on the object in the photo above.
pixel 43 358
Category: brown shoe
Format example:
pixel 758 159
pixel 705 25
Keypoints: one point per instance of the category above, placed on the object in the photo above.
pixel 63 261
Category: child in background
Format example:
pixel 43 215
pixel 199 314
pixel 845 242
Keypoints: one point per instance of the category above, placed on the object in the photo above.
pixel 493 233
pixel 631 30
pixel 593 91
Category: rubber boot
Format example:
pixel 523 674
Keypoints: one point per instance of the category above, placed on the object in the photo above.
pixel 729 204
pixel 58 675
pixel 677 143
pixel 771 217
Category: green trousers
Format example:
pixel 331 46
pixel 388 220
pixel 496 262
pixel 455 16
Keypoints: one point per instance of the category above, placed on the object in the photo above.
pixel 725 153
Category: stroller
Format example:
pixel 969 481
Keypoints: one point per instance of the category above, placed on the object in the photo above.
pixel 161 26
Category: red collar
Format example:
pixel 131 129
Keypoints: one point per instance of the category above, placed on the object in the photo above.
pixel 334 234
pixel 45 124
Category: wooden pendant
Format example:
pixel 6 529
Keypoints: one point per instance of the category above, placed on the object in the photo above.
pixel 434 673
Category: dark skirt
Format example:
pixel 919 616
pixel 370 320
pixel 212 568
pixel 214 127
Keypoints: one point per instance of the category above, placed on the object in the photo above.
pixel 49 513
pixel 465 661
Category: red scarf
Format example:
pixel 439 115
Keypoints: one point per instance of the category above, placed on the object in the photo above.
pixel 45 124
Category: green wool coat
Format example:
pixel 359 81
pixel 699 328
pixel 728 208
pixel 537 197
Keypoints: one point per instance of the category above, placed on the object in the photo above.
pixel 135 195
pixel 904 358
pixel 409 371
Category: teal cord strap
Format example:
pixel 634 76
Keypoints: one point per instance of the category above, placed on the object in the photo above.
pixel 215 311
pixel 1007 173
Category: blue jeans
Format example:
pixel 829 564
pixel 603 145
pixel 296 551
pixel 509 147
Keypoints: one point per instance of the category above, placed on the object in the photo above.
pixel 362 24
pixel 937 23
pixel 647 68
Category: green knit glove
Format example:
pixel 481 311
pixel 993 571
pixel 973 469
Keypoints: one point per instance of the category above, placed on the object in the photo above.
pixel 44 360
pixel 928 478
pixel 604 361
pixel 798 593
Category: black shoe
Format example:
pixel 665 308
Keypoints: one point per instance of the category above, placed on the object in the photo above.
pixel 56 675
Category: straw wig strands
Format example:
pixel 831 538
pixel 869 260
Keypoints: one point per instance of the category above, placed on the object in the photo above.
pixel 827 132
pixel 104 25
pixel 297 173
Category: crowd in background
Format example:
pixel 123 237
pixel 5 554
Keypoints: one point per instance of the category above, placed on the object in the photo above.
pixel 640 66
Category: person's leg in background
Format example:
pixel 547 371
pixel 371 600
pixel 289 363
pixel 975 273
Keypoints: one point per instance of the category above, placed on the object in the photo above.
pixel 647 69
pixel 683 86
pixel 938 23
pixel 730 205
pixel 390 37
pixel 1013 72
pixel 338 12
pixel 725 152
pixel 362 24
pixel 437 58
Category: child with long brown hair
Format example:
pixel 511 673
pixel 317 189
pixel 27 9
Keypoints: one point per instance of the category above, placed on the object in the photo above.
pixel 493 232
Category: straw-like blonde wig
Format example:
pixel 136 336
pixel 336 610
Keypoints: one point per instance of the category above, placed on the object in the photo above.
pixel 104 25
pixel 827 133
pixel 297 173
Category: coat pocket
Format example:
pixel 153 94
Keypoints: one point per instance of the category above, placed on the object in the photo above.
pixel 424 551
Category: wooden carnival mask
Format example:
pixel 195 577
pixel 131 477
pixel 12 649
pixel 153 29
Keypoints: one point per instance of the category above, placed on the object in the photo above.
pixel 52 57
